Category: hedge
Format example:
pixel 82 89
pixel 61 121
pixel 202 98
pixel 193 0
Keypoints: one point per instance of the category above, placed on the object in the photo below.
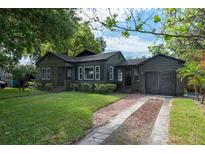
pixel 89 87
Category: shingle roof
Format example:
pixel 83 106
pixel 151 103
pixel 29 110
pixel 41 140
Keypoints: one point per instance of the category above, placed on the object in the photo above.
pixel 64 57
pixel 101 56
pixel 131 62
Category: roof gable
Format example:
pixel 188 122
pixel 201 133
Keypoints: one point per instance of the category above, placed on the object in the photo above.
pixel 161 55
pixel 86 53
pixel 60 56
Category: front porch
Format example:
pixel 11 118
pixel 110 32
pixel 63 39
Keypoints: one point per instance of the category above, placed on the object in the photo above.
pixel 130 78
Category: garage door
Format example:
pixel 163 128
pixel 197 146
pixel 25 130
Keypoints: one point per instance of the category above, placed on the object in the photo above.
pixel 162 83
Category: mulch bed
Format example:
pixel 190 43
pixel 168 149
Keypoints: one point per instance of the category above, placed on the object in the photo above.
pixel 138 127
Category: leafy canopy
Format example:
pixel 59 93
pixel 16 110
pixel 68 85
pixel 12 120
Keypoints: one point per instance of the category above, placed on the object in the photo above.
pixel 33 32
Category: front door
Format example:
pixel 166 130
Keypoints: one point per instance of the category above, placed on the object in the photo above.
pixel 128 77
pixel 61 76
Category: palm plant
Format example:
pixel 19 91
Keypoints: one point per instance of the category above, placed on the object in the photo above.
pixel 194 76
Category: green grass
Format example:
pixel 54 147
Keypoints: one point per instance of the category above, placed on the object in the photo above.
pixel 59 118
pixel 187 123
pixel 14 92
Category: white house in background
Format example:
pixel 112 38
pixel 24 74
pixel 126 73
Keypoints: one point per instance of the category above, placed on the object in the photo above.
pixel 5 76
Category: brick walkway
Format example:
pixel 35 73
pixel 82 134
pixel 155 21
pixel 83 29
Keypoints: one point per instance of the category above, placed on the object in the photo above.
pixel 104 115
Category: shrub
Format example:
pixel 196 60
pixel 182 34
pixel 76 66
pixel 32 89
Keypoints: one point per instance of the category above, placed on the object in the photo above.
pixel 105 88
pixel 89 87
pixel 75 87
pixel 31 85
pixel 68 86
pixel 49 86
pixel 86 87
pixel 111 87
pixel 39 85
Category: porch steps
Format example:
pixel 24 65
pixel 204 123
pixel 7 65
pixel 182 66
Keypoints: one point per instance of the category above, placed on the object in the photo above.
pixel 125 90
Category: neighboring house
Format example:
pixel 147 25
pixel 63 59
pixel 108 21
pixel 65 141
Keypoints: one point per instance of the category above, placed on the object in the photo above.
pixel 156 75
pixel 5 76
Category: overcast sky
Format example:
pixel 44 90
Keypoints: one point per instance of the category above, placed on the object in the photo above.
pixel 136 45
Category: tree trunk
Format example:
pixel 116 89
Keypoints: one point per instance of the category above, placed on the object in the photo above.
pixel 202 99
pixel 196 92
pixel 198 96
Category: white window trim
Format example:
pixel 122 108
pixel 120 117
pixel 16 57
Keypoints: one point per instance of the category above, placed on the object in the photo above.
pixel 119 75
pixel 111 77
pixel 42 73
pixel 48 68
pixel 93 71
pixel 97 72
pixel 69 72
pixel 80 78
pixel 39 73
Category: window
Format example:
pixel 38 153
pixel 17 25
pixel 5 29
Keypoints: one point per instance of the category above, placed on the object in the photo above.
pixel 119 75
pixel 38 73
pixel 97 72
pixel 111 74
pixel 80 73
pixel 89 73
pixel 43 72
pixel 48 73
pixel 69 73
pixel 136 71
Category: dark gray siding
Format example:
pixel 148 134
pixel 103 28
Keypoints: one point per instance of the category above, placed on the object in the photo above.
pixel 112 61
pixel 160 64
pixel 53 62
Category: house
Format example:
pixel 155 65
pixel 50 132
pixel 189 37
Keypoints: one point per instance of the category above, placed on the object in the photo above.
pixel 155 75
pixel 6 76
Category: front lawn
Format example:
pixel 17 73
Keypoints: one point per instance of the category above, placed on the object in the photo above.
pixel 14 92
pixel 187 123
pixel 58 118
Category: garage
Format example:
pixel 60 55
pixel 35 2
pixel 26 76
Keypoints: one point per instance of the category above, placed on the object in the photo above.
pixel 161 83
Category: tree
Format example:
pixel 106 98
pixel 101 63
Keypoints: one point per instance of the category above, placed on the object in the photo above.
pixel 180 30
pixel 83 39
pixel 195 76
pixel 184 22
pixel 154 21
pixel 158 49
pixel 22 74
pixel 34 32
pixel 23 31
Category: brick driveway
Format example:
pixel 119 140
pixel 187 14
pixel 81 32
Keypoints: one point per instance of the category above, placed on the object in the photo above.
pixel 107 113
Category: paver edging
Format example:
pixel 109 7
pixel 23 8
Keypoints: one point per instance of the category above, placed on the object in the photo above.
pixel 160 131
